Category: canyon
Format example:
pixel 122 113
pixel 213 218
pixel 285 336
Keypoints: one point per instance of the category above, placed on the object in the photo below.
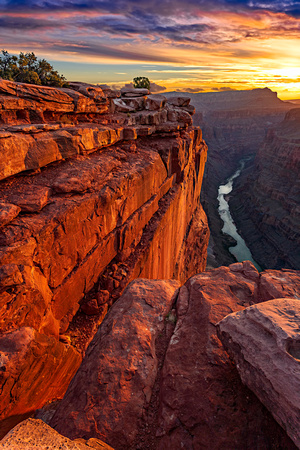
pixel 235 125
pixel 267 194
pixel 108 317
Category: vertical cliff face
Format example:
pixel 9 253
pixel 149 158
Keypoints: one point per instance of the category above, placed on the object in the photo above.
pixel 90 199
pixel 234 124
pixel 266 202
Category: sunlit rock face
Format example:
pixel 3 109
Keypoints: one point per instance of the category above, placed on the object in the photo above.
pixel 266 205
pixel 264 343
pixel 157 376
pixel 36 435
pixel 91 198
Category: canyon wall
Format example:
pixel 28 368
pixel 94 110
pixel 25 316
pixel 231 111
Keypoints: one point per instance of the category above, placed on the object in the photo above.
pixel 96 190
pixel 234 124
pixel 266 205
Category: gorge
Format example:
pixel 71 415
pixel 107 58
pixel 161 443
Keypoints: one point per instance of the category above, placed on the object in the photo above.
pixel 108 317
pixel 256 125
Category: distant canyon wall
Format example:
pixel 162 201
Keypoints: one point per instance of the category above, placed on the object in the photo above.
pixel 266 204
pixel 234 125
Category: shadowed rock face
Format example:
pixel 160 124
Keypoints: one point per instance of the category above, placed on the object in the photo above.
pixel 120 367
pixel 234 126
pixel 266 202
pixel 265 345
pixel 91 198
pixel 197 400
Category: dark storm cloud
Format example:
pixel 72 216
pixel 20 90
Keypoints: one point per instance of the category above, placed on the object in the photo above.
pixel 21 23
pixel 128 27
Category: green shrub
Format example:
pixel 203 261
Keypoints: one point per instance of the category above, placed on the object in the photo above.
pixel 141 82
pixel 26 68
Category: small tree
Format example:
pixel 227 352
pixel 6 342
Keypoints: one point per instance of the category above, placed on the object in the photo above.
pixel 28 69
pixel 141 82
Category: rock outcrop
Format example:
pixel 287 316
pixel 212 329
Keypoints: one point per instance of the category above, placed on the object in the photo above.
pixel 36 435
pixel 266 206
pixel 197 399
pixel 120 367
pixel 91 198
pixel 264 342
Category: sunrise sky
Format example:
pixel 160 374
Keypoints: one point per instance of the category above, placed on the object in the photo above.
pixel 191 45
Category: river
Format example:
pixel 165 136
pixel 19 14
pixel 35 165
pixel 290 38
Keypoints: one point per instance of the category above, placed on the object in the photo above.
pixel 240 251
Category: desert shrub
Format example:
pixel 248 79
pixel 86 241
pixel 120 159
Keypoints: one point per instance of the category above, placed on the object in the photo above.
pixel 27 68
pixel 141 82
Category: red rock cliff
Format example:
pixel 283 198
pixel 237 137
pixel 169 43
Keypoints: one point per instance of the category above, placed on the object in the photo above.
pixel 96 190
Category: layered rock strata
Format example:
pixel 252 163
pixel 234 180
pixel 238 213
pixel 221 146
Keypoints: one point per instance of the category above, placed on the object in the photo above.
pixel 266 205
pixel 197 399
pixel 97 201
pixel 264 342
pixel 234 124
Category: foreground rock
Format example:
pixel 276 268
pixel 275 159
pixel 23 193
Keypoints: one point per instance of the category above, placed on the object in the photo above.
pixel 197 400
pixel 203 403
pixel 264 342
pixel 91 198
pixel 113 386
pixel 25 355
pixel 36 435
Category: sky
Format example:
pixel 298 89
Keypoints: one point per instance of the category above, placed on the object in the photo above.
pixel 191 45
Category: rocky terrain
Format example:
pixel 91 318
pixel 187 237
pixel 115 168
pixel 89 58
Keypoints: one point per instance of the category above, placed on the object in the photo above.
pixel 108 320
pixel 266 204
pixel 234 124
pixel 276 324
pixel 156 375
pixel 96 190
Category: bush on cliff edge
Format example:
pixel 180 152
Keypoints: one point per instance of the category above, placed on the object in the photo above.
pixel 27 68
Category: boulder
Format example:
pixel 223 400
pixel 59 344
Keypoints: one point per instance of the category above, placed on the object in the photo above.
pixel 155 102
pixel 34 434
pixel 89 90
pixel 108 396
pixel 136 103
pixel 179 101
pixel 134 92
pixel 34 368
pixel 121 106
pixel 203 404
pixel 264 342
pixel 8 212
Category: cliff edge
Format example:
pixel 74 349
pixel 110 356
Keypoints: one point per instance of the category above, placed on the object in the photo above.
pixel 97 188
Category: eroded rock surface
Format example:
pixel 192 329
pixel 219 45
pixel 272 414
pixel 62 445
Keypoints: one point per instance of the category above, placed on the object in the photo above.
pixel 36 435
pixel 91 198
pixel 113 386
pixel 264 341
pixel 34 368
pixel 198 400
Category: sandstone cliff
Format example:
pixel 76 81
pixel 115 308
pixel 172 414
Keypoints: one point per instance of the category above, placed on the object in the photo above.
pixel 266 202
pixel 96 190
